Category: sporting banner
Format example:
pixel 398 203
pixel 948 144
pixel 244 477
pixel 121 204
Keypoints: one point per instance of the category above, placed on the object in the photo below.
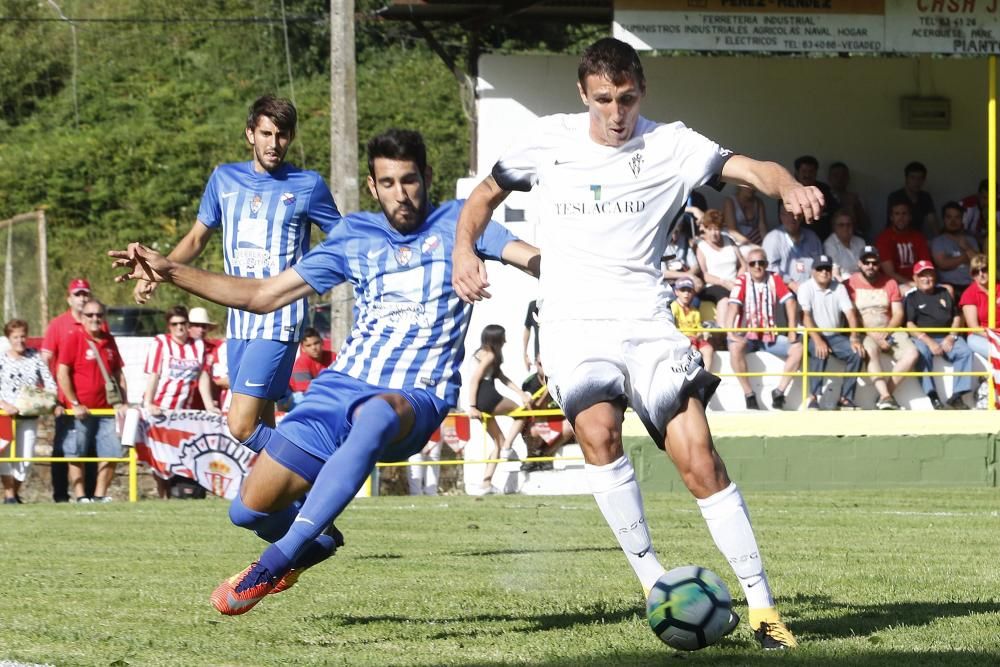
pixel 993 335
pixel 454 431
pixel 196 445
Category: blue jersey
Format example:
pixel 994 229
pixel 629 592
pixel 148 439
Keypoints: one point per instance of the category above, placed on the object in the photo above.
pixel 409 325
pixel 265 226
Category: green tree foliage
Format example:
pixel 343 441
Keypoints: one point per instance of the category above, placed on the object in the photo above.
pixel 160 98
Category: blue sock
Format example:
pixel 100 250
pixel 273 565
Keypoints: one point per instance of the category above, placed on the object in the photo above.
pixel 269 526
pixel 340 478
pixel 258 438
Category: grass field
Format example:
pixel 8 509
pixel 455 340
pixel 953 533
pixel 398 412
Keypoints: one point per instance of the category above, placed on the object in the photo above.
pixel 864 578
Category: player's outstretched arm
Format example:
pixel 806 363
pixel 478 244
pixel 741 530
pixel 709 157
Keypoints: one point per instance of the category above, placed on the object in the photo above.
pixel 525 257
pixel 775 181
pixel 250 294
pixel 468 275
pixel 189 248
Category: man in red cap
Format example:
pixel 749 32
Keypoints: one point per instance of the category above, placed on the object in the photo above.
pixel 59 329
pixel 928 306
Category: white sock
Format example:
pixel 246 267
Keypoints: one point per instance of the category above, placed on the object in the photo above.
pixel 415 475
pixel 620 501
pixel 729 523
pixel 432 473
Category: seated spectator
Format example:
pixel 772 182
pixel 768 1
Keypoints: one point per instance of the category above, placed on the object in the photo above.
pixel 806 172
pixel 688 318
pixel 679 258
pixel 839 177
pixel 928 306
pixel 825 305
pixel 844 246
pixel 975 212
pixel 790 249
pixel 975 304
pixel 900 246
pixel 310 362
pixel 542 436
pixel 20 366
pixel 744 216
pixel 920 202
pixel 880 304
pixel 720 261
pixel 952 249
pixel 754 302
pixel 90 374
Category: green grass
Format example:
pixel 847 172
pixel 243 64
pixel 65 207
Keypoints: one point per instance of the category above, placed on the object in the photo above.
pixel 863 577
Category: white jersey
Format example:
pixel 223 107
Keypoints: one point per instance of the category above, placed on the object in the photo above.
pixel 605 212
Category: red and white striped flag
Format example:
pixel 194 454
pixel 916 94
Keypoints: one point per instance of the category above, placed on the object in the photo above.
pixel 993 335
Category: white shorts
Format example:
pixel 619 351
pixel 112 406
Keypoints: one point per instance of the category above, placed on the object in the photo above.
pixel 647 363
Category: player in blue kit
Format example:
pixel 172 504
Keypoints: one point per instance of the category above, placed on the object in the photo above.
pixel 396 376
pixel 264 208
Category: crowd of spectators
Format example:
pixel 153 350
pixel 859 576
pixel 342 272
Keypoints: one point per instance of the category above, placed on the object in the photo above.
pixel 922 269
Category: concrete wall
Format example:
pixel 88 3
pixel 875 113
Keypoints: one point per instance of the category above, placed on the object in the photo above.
pixel 777 108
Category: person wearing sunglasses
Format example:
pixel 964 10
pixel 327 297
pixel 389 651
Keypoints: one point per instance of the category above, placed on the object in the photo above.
pixel 89 366
pixel 975 304
pixel 880 303
pixel 756 300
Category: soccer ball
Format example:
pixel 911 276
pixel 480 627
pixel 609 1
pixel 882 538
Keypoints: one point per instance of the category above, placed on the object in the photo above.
pixel 689 608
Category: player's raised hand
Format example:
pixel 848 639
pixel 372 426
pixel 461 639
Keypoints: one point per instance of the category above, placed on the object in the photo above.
pixel 143 290
pixel 468 276
pixel 142 263
pixel 803 201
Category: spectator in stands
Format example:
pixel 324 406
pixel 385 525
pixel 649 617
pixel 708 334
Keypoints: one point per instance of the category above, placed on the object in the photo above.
pixel 422 479
pixel 199 326
pixel 55 334
pixel 844 246
pixel 975 211
pixel 91 377
pixel 687 317
pixel 931 305
pixel 755 302
pixel 880 304
pixel 806 172
pixel 975 304
pixel 744 216
pixel 825 305
pixel 175 368
pixel 312 360
pixel 720 261
pixel 218 370
pixel 839 177
pixel 920 203
pixel 20 366
pixel 542 436
pixel 901 247
pixel 531 330
pixel 952 250
pixel 680 260
pixel 484 399
pixel 791 248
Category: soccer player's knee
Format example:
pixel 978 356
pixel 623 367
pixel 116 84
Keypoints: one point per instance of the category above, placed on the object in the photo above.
pixel 241 428
pixel 243 516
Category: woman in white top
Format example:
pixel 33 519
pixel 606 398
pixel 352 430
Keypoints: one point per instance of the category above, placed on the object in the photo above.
pixel 20 366
pixel 720 260
pixel 744 216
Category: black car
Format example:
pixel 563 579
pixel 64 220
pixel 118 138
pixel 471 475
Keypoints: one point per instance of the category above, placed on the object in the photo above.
pixel 135 321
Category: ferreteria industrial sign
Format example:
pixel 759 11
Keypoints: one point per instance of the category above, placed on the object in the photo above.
pixel 957 27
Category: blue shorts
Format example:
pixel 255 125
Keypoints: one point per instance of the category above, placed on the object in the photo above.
pixel 263 367
pixel 92 436
pixel 316 427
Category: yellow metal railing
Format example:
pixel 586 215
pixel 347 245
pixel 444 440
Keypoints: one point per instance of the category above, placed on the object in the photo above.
pixel 131 459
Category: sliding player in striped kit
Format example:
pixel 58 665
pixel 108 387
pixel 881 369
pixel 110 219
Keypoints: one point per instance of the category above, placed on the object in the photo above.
pixel 264 208
pixel 610 183
pixel 393 382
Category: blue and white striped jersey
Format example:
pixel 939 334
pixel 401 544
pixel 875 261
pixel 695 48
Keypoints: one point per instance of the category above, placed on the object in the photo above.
pixel 409 325
pixel 265 229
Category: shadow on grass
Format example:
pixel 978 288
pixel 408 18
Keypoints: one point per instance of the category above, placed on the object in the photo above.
pixel 751 657
pixel 518 552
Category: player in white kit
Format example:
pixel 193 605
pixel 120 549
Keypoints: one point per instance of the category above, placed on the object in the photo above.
pixel 609 184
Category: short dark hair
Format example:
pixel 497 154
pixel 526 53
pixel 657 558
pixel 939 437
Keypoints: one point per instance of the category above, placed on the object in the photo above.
pixel 614 59
pixel 915 168
pixel 14 325
pixel 310 332
pixel 952 205
pixel 176 311
pixel 397 144
pixel 838 165
pixel 281 112
pixel 806 159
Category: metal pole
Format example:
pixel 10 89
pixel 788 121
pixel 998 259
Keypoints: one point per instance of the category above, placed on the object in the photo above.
pixel 343 144
pixel 991 211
